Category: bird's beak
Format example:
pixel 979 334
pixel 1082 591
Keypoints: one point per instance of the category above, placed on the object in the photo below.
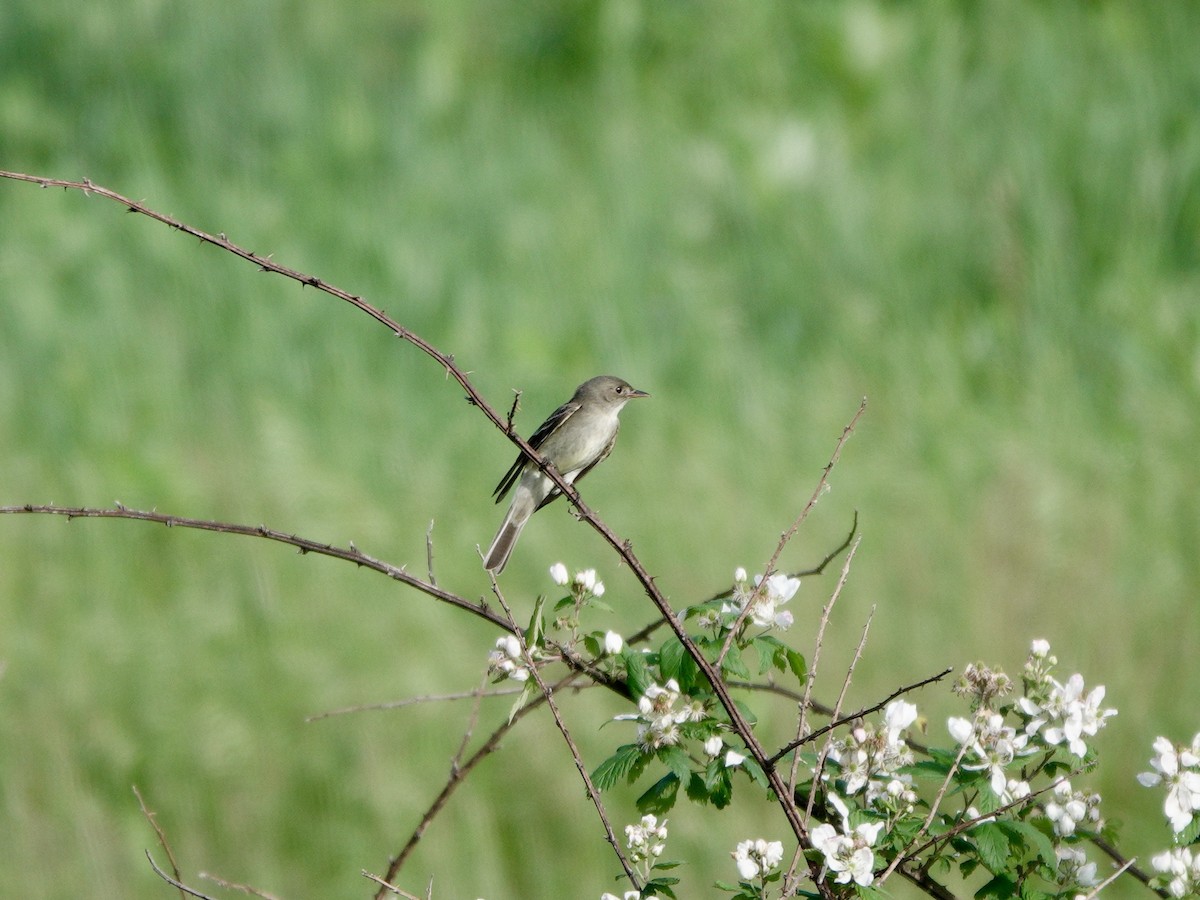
pixel 634 393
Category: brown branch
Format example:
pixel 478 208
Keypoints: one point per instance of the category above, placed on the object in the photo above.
pixel 162 838
pixel 865 711
pixel 175 882
pixel 458 775
pixel 592 791
pixel 623 547
pixel 304 545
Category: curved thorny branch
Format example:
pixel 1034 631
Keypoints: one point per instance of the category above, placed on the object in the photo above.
pixel 622 546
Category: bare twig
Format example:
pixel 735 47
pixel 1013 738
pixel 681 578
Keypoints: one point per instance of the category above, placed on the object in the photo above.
pixel 162 837
pixel 761 587
pixel 413 701
pixel 429 553
pixel 457 777
pixel 237 886
pixel 865 711
pixel 592 791
pixel 175 882
pixel 623 547
pixel 389 887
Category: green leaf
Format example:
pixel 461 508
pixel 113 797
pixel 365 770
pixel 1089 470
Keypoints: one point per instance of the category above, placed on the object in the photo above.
pixel 993 844
pixel 676 760
pixel 798 664
pixel 535 634
pixel 659 887
pixel 528 690
pixel 617 766
pixel 670 657
pixel 1029 835
pixel 637 675
pixel 734 665
pixel 659 798
pixel 564 603
pixel 999 888
pixel 754 770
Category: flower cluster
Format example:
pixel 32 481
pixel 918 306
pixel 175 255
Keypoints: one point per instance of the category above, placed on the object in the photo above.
pixel 507 661
pixel 991 747
pixel 755 858
pixel 1179 872
pixel 1179 769
pixel 1074 868
pixel 584 584
pixel 869 758
pixel 647 840
pixel 1062 713
pixel 764 600
pixel 848 852
pixel 659 717
pixel 1070 808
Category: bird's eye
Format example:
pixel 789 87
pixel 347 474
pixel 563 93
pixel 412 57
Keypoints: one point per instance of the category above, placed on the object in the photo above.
pixel 620 389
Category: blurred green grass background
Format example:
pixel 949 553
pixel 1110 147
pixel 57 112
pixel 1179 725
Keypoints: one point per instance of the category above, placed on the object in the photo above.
pixel 985 218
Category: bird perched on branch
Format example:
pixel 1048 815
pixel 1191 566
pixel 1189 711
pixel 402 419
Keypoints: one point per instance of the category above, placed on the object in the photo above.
pixel 577 436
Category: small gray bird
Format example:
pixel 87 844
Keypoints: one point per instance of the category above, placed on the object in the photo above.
pixel 578 434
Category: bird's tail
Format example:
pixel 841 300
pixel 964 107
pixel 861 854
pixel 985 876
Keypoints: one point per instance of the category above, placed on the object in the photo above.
pixel 505 540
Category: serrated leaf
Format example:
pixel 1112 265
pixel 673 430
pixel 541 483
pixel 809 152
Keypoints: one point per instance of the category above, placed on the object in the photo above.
pixel 617 766
pixel 528 690
pixel 754 770
pixel 993 844
pixel 1032 837
pixel 636 674
pixel 535 634
pixel 999 888
pixel 670 655
pixel 564 603
pixel 676 760
pixel 734 665
pixel 659 798
pixel 798 664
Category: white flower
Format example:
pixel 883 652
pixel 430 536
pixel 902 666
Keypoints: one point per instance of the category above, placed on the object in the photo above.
pixel 1182 871
pixel 1067 713
pixel 757 857
pixel 613 643
pixel 1039 648
pixel 1074 868
pixel 1179 768
pixel 991 746
pixel 733 759
pixel 507 659
pixel 659 717
pixel 1071 808
pixel 848 852
pixel 558 573
pixel 779 589
pixel 647 839
pixel 712 747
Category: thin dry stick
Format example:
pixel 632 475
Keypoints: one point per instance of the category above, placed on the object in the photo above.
pixel 389 887
pixel 162 837
pixel 429 553
pixel 236 886
pixel 1095 892
pixel 865 711
pixel 304 545
pixel 413 701
pixel 623 547
pixel 819 569
pixel 175 882
pixel 823 756
pixel 457 777
pixel 470 729
pixel 593 793
pixel 761 587
pixel 789 880
pixel 933 811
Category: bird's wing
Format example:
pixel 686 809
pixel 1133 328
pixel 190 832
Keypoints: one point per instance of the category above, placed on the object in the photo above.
pixel 544 431
pixel 599 459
